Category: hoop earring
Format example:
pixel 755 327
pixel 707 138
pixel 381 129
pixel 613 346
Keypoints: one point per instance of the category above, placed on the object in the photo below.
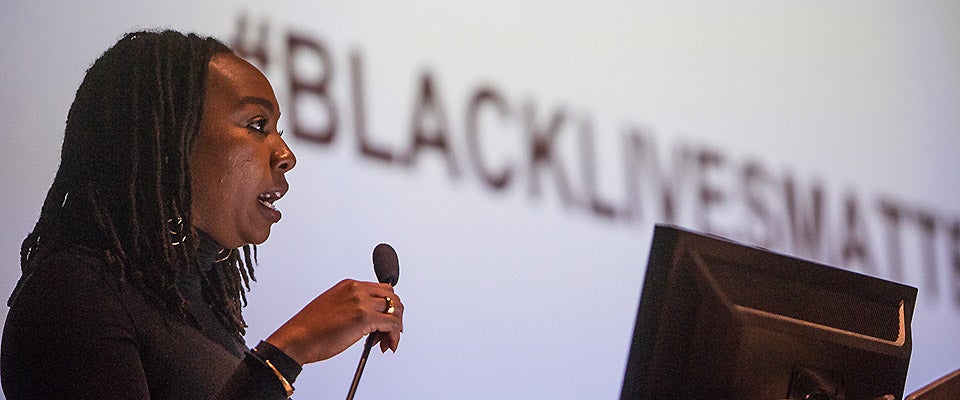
pixel 227 253
pixel 175 231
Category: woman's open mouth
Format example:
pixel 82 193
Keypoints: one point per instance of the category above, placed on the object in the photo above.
pixel 266 200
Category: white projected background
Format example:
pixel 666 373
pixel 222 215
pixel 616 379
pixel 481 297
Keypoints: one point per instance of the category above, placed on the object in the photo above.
pixel 531 149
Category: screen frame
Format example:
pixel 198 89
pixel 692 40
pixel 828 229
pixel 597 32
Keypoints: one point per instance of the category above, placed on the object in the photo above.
pixel 677 281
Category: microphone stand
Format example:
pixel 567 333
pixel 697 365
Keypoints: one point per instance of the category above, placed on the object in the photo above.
pixel 363 362
pixel 387 268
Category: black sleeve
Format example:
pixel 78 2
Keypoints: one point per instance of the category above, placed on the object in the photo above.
pixel 70 334
pixel 252 379
pixel 285 365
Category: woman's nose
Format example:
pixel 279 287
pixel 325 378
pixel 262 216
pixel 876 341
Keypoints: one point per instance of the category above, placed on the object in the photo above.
pixel 283 159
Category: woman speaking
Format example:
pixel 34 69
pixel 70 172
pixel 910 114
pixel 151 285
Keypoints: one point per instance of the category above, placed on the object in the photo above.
pixel 133 278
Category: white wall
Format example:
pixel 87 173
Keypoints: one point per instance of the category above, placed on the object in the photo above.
pixel 523 292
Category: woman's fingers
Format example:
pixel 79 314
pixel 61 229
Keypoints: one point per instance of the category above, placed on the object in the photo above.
pixel 392 309
pixel 339 317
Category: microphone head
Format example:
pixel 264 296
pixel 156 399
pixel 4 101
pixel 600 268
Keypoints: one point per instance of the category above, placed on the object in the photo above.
pixel 385 264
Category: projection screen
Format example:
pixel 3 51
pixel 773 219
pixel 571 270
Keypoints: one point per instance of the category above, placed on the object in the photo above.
pixel 518 154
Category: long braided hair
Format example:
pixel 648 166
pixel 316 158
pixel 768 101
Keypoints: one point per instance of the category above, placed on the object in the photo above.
pixel 123 185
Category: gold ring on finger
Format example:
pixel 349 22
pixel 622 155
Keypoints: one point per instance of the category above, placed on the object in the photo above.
pixel 390 308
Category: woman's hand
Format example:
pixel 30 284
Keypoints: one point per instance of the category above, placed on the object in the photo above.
pixel 338 318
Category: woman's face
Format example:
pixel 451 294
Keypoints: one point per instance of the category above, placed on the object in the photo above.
pixel 238 161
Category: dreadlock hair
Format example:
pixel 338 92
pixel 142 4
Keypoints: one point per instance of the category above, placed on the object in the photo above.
pixel 123 185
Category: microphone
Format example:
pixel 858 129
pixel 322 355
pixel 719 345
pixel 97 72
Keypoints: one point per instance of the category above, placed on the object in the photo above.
pixel 385 264
pixel 387 267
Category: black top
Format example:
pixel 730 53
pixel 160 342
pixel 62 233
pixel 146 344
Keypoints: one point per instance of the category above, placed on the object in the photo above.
pixel 76 332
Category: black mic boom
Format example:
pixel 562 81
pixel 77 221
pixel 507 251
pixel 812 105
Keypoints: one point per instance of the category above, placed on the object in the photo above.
pixel 387 267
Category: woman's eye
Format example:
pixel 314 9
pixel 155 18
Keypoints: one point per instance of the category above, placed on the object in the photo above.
pixel 259 125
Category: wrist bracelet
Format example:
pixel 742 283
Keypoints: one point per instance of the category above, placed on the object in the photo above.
pixel 287 387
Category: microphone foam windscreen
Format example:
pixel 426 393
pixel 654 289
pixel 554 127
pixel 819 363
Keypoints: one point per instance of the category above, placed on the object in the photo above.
pixel 385 264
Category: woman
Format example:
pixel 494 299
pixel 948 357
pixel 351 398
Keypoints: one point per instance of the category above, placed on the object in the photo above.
pixel 132 282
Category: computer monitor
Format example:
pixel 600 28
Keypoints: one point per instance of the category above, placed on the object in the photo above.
pixel 945 388
pixel 722 320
